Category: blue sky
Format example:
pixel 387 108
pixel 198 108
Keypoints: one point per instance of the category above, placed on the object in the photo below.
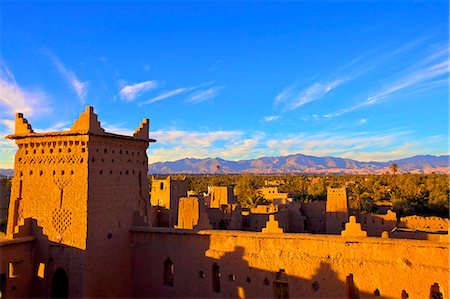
pixel 364 80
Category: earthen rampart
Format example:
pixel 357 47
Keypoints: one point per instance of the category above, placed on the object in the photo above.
pixel 315 266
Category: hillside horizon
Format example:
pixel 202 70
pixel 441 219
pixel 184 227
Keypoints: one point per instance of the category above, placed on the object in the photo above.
pixel 296 164
pixel 300 163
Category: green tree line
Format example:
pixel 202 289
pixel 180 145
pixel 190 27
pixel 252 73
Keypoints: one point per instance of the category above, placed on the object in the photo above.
pixel 410 194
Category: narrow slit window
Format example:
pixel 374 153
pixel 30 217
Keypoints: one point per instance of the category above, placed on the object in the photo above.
pixel 168 273
pixel 216 278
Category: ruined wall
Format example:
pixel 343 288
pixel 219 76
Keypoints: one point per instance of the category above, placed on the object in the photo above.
pixel 306 266
pixel 272 193
pixel 424 223
pixel 221 195
pixel 256 221
pixel 314 213
pixel 188 212
pixel 165 193
pixel 375 224
pixel 296 219
pixel 264 209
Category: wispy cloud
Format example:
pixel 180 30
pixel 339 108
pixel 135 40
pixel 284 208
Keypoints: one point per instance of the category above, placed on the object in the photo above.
pixel 174 92
pixel 59 126
pixel 237 145
pixel 76 84
pixel 421 75
pixel 356 145
pixel 168 94
pixel 130 92
pixel 204 95
pixel 293 97
pixel 194 138
pixel 233 145
pixel 16 99
pixel 270 118
pixel 117 129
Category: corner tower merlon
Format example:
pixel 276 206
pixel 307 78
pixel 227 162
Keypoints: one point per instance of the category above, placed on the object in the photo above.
pixel 87 122
pixel 22 125
pixel 143 130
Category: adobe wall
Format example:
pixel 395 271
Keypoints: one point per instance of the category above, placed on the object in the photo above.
pixel 256 221
pixel 160 192
pixel 424 223
pixel 315 266
pixel 35 260
pixel 165 193
pixel 272 193
pixel 18 254
pixel 314 213
pixel 4 200
pixel 336 210
pixel 118 194
pixel 375 224
pixel 296 219
pixel 188 212
pixel 49 184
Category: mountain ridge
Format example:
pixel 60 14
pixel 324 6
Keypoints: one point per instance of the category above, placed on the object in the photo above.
pixel 296 163
pixel 300 163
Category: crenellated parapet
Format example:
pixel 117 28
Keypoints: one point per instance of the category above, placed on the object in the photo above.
pixel 143 130
pixel 88 122
pixel 22 125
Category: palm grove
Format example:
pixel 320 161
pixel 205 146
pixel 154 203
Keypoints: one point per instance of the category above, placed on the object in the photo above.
pixel 420 194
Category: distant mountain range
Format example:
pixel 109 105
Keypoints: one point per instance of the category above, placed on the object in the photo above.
pixel 6 172
pixel 295 164
pixel 301 164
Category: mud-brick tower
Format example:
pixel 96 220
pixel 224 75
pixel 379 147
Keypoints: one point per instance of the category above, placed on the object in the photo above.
pixel 336 210
pixel 84 189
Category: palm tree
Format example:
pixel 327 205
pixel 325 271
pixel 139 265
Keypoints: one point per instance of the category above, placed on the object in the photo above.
pixel 360 199
pixel 394 168
pixel 249 195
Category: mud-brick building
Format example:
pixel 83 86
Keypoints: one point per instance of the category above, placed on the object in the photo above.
pixel 76 193
pixel 79 226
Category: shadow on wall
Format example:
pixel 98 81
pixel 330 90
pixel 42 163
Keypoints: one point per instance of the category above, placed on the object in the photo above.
pixel 169 265
pixel 160 216
pixel 239 280
pixel 33 266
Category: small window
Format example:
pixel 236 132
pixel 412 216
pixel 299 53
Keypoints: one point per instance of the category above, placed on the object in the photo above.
pixel 216 278
pixel 435 292
pixel 14 269
pixel 168 273
pixel 161 186
pixel 405 295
